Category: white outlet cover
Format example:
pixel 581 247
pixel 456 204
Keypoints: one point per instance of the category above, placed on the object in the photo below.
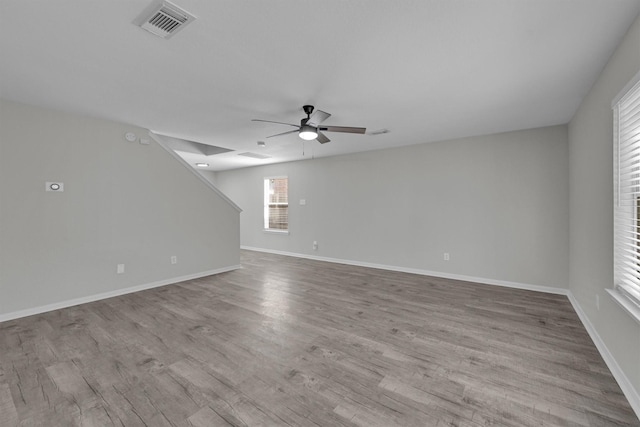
pixel 303 202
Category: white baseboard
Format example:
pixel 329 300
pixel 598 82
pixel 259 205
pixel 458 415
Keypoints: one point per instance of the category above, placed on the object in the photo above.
pixel 628 389
pixel 481 280
pixel 104 295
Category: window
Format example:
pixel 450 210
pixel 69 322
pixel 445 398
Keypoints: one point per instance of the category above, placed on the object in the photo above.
pixel 276 204
pixel 626 124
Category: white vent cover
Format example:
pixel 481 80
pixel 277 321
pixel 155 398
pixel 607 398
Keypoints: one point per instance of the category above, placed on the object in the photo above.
pixel 255 155
pixel 164 19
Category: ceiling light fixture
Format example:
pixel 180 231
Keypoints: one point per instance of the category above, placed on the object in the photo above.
pixel 202 165
pixel 308 132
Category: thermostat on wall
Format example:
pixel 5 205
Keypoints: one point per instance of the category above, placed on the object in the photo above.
pixel 54 186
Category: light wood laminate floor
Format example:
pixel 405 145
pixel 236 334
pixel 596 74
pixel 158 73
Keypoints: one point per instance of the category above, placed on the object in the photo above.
pixel 294 342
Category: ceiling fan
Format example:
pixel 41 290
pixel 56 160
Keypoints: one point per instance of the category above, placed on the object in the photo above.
pixel 309 127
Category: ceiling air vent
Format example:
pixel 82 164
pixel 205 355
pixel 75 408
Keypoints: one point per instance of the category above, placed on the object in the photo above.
pixel 164 19
pixel 255 155
pixel 379 132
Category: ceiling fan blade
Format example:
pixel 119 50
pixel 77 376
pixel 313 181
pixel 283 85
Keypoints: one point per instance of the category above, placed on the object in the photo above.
pixel 270 121
pixel 318 117
pixel 322 138
pixel 344 129
pixel 283 133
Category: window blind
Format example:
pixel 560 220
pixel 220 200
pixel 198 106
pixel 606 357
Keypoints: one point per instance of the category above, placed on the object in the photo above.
pixel 276 203
pixel 626 124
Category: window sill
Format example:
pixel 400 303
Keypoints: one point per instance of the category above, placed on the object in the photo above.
pixel 270 231
pixel 625 303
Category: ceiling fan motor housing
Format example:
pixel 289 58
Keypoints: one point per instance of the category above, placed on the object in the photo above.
pixel 308 109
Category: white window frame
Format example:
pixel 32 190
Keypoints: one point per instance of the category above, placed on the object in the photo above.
pixel 265 218
pixel 626 185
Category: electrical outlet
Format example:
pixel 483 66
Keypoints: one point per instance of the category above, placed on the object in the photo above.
pixel 598 302
pixel 315 245
pixel 120 269
pixel 174 259
pixel 446 256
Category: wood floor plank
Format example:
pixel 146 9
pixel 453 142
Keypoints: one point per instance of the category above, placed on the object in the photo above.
pixel 207 417
pixel 7 407
pixel 295 342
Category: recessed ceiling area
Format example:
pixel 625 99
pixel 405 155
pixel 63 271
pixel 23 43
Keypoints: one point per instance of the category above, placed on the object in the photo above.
pixel 422 70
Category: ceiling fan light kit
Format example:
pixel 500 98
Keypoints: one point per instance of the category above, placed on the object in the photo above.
pixel 310 129
pixel 307 133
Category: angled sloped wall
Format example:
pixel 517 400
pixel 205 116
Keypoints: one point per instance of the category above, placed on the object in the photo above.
pixel 123 203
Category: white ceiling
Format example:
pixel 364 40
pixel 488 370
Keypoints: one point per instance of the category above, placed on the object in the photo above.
pixel 427 70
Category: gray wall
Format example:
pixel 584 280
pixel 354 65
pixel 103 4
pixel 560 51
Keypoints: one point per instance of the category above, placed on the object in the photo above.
pixel 591 207
pixel 123 203
pixel 498 204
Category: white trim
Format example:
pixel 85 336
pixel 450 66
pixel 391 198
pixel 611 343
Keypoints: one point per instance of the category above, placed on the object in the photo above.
pixel 480 280
pixel 110 294
pixel 275 231
pixel 163 144
pixel 635 79
pixel 628 390
pixel 625 303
